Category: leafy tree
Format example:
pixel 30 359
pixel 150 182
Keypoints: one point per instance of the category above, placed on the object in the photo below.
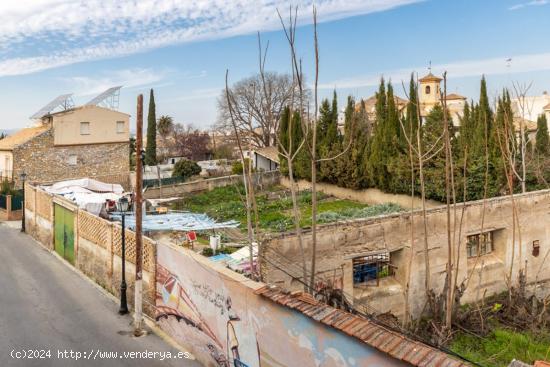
pixel 186 168
pixel 542 143
pixel 151 148
pixel 165 125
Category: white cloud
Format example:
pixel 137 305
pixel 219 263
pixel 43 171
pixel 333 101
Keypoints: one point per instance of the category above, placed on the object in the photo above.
pixel 529 3
pixel 69 31
pixel 128 78
pixel 493 66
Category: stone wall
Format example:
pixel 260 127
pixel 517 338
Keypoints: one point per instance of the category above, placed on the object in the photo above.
pixel 261 180
pixel 366 196
pixel 43 162
pixel 338 243
pixel 97 246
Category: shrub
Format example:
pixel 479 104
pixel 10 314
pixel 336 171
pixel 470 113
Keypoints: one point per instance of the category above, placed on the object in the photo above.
pixel 186 168
pixel 237 168
pixel 7 188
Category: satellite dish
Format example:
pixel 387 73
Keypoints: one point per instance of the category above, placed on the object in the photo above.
pixel 64 101
pixel 109 98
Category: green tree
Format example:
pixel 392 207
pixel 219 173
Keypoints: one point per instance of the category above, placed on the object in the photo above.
pixel 291 130
pixel 350 167
pixel 542 143
pixel 186 168
pixel 237 168
pixel 165 125
pixel 385 142
pixel 151 148
pixel 329 139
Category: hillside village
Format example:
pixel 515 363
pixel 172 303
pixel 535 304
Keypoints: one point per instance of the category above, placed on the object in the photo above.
pixel 405 227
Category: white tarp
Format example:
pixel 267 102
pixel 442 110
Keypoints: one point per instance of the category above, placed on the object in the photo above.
pixel 87 193
pixel 86 183
pixel 177 221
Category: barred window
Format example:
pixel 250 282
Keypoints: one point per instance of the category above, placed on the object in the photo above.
pixel 479 244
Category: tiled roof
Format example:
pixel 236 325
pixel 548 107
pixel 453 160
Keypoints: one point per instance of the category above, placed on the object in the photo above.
pixel 371 102
pixel 386 341
pixel 454 96
pixel 22 136
pixel 270 153
pixel 547 107
pixel 430 78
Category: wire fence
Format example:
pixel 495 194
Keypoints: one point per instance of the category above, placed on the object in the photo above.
pixel 155 182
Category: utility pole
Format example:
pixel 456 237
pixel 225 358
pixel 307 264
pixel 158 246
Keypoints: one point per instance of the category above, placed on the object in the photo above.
pixel 138 303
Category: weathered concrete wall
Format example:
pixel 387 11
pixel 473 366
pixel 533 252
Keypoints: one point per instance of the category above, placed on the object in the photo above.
pixel 39 215
pixel 97 246
pixel 261 179
pixel 366 196
pixel 44 162
pixel 338 243
pixel 216 314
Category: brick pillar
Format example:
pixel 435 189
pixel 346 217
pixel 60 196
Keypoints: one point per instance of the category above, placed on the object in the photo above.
pixel 8 207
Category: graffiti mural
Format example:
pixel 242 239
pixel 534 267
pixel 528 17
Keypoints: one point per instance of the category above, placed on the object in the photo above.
pixel 216 315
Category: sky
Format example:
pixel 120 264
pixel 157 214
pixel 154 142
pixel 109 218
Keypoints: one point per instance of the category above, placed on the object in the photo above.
pixel 182 49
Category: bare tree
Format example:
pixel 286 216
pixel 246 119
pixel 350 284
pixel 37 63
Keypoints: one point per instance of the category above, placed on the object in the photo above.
pixel 258 102
pixel 187 141
pixel 246 178
pixel 520 91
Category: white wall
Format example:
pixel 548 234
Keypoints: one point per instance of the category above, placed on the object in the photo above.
pixel 6 164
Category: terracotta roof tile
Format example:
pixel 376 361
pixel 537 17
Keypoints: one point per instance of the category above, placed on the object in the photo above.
pixel 430 78
pixel 377 336
pixel 22 136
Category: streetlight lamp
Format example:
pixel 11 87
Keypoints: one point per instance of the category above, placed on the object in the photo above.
pixel 23 177
pixel 122 207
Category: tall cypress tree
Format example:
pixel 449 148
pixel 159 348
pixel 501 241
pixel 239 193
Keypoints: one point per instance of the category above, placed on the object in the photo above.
pixel 385 142
pixel 542 143
pixel 151 148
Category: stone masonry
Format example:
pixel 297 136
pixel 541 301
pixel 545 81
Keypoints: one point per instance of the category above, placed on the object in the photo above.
pixel 43 162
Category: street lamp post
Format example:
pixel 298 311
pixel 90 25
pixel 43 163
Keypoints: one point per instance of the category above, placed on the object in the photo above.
pixel 122 206
pixel 23 177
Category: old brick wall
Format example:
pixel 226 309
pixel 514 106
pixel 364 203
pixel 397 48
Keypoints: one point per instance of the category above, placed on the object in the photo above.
pixel 338 243
pixel 43 162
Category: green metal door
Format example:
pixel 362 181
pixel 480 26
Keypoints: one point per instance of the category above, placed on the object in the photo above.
pixel 64 233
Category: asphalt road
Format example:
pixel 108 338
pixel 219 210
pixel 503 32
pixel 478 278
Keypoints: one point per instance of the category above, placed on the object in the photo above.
pixel 47 310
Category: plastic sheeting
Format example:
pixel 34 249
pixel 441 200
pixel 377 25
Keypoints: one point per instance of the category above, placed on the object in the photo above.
pixel 84 183
pixel 87 193
pixel 177 222
pixel 238 260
